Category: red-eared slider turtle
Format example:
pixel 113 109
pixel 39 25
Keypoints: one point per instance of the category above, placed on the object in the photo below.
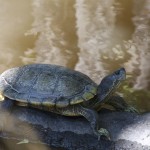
pixel 58 89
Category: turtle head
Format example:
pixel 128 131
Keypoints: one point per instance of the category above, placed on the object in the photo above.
pixel 109 84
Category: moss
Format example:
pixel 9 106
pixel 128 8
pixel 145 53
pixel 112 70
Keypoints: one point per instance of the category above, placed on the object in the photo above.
pixel 140 99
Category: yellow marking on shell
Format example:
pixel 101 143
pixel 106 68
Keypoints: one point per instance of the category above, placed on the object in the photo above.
pixel 76 101
pixel 63 103
pixel 48 103
pixel 87 96
pixel 94 90
pixel 21 103
pixel 90 94
pixel 1 97
pixel 35 103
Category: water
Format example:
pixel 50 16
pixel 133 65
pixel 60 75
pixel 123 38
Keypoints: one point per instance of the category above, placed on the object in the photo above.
pixel 94 37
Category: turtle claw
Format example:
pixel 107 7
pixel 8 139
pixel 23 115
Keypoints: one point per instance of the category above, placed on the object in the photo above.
pixel 103 132
pixel 132 110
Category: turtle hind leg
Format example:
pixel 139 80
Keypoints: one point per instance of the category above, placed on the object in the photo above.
pixel 120 104
pixel 7 104
pixel 89 114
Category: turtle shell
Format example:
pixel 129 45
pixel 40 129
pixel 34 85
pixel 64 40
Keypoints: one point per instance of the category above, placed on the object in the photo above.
pixel 47 85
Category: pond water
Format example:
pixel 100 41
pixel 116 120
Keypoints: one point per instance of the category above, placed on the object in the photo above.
pixel 94 37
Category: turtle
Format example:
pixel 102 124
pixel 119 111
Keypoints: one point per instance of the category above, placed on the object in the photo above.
pixel 60 90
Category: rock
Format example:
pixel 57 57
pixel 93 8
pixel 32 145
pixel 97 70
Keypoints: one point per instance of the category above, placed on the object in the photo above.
pixel 129 131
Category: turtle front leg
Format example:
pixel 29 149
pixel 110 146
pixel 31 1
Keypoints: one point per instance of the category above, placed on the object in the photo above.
pixel 93 118
pixel 90 115
pixel 120 104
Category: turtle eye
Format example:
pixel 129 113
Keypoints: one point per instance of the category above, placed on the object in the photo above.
pixel 120 71
pixel 117 72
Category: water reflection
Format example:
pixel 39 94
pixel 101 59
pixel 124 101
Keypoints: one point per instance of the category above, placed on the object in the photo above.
pixel 94 37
